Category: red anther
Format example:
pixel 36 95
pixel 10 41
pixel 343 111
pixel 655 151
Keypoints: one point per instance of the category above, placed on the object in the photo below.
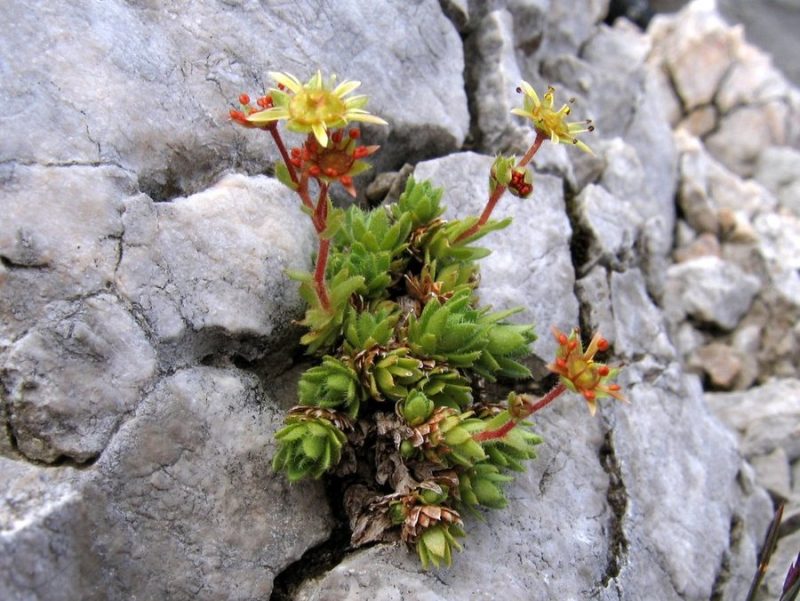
pixel 602 345
pixel 314 170
pixel 562 339
pixel 244 98
pixel 589 395
pixel 361 152
pixel 614 387
pixel 573 344
pixel 331 172
pixel 295 152
pixel 603 370
pixel 346 180
pixel 336 136
pixel 561 362
pixel 355 133
pixel 296 162
pixel 264 102
pixel 239 117
pixel 281 87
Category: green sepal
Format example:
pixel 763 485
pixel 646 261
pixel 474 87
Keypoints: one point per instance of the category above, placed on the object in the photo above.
pixel 283 176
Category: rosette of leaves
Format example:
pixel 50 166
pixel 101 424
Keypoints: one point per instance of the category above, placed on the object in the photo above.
pixel 309 445
pixel 482 485
pixel 450 332
pixel 445 438
pixel 371 245
pixel 505 344
pixel 332 385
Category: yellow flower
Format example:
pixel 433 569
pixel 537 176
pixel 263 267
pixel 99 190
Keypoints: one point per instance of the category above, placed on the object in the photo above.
pixel 550 122
pixel 315 106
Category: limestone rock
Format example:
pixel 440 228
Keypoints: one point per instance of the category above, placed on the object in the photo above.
pixel 72 379
pixel 778 169
pixel 766 417
pixel 105 96
pixel 212 267
pixel 773 473
pixel 530 264
pixel 719 362
pixel 710 290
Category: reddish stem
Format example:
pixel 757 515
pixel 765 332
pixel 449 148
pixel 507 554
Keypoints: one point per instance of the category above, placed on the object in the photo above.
pixel 276 135
pixel 498 191
pixel 529 410
pixel 319 273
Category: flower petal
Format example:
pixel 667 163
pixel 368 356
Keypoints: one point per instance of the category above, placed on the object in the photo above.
pixel 273 114
pixel 344 88
pixel 320 133
pixel 290 81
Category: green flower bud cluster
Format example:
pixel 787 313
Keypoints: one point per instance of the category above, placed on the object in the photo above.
pixel 308 447
pixel 404 333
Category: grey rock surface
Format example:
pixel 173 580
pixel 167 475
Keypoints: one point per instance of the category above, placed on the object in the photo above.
pixel 766 417
pixel 72 379
pixel 188 64
pixel 213 267
pixel 709 290
pixel 182 505
pixel 121 315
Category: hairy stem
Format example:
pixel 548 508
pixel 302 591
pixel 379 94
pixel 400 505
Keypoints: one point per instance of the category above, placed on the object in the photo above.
pixel 499 190
pixel 529 409
pixel 321 222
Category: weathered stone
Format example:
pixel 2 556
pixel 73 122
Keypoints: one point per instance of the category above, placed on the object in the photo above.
pixel 196 63
pixel 766 417
pixel 594 294
pixel 710 290
pixel 719 362
pixel 778 169
pixel 70 380
pixel 639 326
pixel 773 473
pixel 59 237
pixel 212 266
pixel 45 540
pixel 705 245
pixel 530 262
pixel 182 504
pixel 700 121
pixel 607 223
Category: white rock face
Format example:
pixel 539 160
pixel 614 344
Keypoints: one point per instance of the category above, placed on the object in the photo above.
pixel 121 314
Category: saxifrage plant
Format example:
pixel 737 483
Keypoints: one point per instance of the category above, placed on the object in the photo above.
pixel 403 342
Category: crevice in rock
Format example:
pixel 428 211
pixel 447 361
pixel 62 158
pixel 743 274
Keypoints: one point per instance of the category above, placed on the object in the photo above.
pixel 470 76
pixel 321 558
pixel 617 498
pixel 9 264
pixel 724 570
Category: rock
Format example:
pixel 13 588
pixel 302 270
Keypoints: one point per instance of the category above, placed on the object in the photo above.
pixel 45 542
pixel 610 228
pixel 530 261
pixel 772 472
pixel 212 267
pixel 778 169
pixel 72 379
pixel 785 556
pixel 182 504
pixel 735 87
pixel 59 237
pixel 594 294
pixel 766 417
pixel 195 65
pixel 746 341
pixel 705 245
pixel 710 290
pixel 719 362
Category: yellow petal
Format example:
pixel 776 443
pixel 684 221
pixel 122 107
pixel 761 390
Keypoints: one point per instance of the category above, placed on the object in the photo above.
pixel 268 115
pixel 365 118
pixel 320 133
pixel 344 88
pixel 290 81
pixel 529 91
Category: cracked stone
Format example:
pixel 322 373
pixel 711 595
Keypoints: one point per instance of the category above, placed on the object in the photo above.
pixel 197 61
pixel 212 266
pixel 71 380
pixel 709 290
pixel 59 237
pixel 720 362
pixel 765 418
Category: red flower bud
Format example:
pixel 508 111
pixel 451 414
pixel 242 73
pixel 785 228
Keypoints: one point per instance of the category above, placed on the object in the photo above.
pixel 244 99
pixel 602 345
pixel 355 133
pixel 603 370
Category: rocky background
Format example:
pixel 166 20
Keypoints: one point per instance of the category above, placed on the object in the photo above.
pixel 147 351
